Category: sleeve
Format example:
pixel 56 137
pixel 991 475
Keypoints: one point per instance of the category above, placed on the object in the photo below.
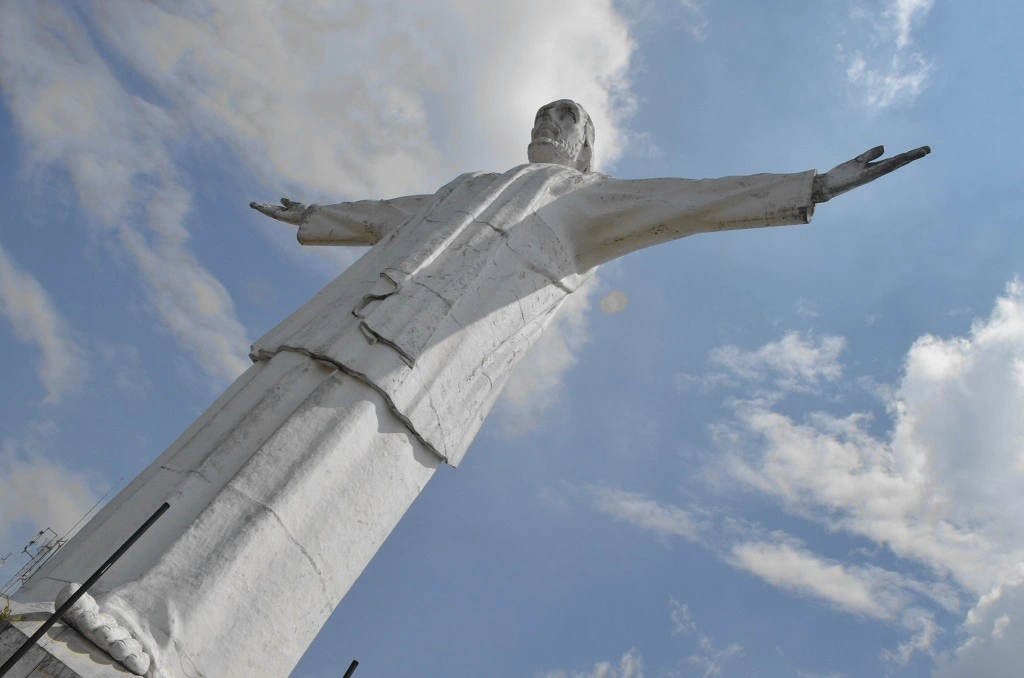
pixel 613 217
pixel 357 223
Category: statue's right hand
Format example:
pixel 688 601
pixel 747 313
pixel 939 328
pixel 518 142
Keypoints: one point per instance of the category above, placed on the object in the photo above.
pixel 291 212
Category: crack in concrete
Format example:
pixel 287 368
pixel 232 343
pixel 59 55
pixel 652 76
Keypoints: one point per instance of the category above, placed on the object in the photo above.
pixel 539 271
pixel 292 539
pixel 186 471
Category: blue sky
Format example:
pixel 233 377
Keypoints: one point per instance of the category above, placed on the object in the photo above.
pixel 783 452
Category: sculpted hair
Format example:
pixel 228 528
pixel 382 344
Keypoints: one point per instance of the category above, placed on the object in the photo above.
pixel 586 155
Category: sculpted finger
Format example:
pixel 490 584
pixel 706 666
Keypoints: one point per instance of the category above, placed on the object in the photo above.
pixel 918 153
pixel 872 154
pixel 902 159
pixel 272 211
pixel 286 202
pixel 911 156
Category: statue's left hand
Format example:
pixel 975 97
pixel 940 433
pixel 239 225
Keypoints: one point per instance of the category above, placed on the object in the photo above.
pixel 860 171
pixel 291 213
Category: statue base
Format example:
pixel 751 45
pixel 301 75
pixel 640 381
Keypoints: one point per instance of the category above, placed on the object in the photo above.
pixel 62 653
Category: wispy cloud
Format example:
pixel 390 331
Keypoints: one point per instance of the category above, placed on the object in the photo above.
pixel 631 665
pixel 924 630
pixel 682 619
pixel 796 362
pixel 796 569
pixel 36 491
pixel 707 657
pixel 696 22
pixel 889 71
pixel 74 113
pixel 784 562
pixel 905 14
pixel 35 320
pixel 664 520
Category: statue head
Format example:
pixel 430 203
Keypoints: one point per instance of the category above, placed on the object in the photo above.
pixel 562 134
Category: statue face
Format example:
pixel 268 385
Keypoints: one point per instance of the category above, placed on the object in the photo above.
pixel 558 134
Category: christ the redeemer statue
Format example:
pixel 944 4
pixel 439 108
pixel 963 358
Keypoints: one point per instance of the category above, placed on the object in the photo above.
pixel 285 488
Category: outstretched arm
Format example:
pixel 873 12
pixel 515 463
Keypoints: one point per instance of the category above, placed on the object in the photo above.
pixel 348 223
pixel 613 217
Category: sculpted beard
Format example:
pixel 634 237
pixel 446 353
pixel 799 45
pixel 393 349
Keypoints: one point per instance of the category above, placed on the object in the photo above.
pixel 565 152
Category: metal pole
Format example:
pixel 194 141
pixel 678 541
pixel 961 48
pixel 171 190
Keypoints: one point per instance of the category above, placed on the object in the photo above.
pixel 351 669
pixel 9 664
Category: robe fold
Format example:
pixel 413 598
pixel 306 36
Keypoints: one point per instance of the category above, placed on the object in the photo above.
pixel 461 284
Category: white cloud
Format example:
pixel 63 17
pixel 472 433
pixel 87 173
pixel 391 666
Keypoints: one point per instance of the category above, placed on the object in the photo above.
pixel 696 22
pixel 664 520
pixel 74 114
pixel 631 665
pixel 798 570
pixel 941 488
pixel 992 637
pixel 37 492
pixel 710 659
pixel 682 619
pixel 923 637
pixel 904 14
pixel 370 99
pixel 27 306
pixel 707 658
pixel 999 626
pixel 795 363
pixel 806 309
pixel 889 71
pixel 900 80
pixel 325 100
pixel 859 590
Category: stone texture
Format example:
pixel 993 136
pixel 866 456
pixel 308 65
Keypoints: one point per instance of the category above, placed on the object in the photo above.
pixel 285 488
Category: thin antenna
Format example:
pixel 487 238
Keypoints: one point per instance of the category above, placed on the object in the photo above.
pixel 45 550
pixel 86 514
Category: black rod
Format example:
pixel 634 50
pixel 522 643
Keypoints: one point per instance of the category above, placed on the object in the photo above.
pixel 9 664
pixel 351 669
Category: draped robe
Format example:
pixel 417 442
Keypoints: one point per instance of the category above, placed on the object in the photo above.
pixel 477 271
pixel 285 488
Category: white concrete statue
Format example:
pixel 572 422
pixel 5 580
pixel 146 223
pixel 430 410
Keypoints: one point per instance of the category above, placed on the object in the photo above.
pixel 285 488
